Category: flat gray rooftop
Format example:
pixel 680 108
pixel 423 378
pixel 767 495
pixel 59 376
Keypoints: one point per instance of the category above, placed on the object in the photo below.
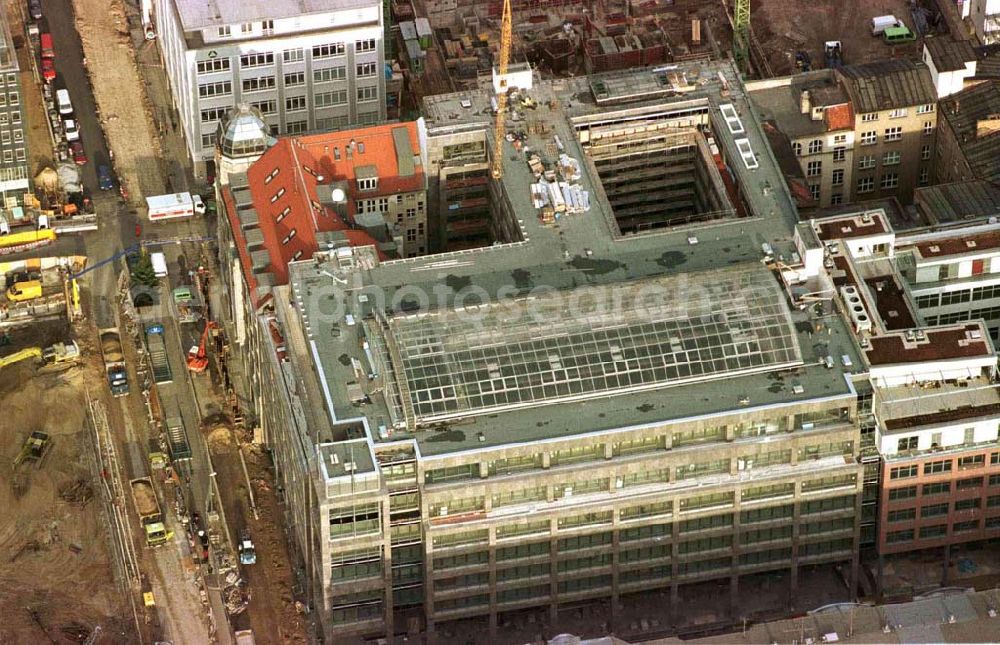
pixel 439 350
pixel 199 14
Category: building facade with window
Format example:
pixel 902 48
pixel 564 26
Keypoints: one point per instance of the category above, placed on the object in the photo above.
pixel 954 274
pixel 929 407
pixel 895 122
pixel 310 69
pixel 937 434
pixel 14 171
pixel 815 113
pixel 860 132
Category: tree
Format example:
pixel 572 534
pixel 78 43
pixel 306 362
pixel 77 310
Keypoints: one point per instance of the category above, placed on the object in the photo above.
pixel 144 280
pixel 142 272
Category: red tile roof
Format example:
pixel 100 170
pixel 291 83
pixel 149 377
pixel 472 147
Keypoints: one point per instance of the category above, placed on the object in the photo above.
pixel 241 247
pixel 839 117
pixel 283 184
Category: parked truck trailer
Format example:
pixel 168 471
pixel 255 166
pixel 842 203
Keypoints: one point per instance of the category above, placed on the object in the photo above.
pixel 157 347
pixel 174 206
pixel 177 440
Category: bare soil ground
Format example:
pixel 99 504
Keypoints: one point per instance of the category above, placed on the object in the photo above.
pixel 784 27
pixel 56 580
pixel 121 97
pixel 272 608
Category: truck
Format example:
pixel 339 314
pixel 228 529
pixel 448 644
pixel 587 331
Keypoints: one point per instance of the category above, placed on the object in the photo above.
pixel 881 23
pixel 147 507
pixel 188 305
pixel 248 554
pixel 174 206
pixel 157 347
pixel 177 440
pixel 834 53
pixel 114 360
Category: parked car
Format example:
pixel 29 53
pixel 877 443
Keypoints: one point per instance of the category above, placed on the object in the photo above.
pixel 71 129
pixel 35 9
pixel 48 70
pixel 63 103
pixel 104 178
pixel 79 156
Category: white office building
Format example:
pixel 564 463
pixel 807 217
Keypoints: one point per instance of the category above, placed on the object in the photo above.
pixel 305 65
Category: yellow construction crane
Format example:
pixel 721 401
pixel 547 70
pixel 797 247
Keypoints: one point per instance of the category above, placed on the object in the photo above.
pixel 499 132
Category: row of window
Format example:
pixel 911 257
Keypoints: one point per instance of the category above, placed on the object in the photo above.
pixel 940 530
pixel 888 180
pixel 657 443
pixel 264 83
pixel 897 113
pixel 934 510
pixel 941 488
pixel 986 313
pixel 326 50
pixel 646 554
pixel 659 531
pixel 958 297
pixel 895 133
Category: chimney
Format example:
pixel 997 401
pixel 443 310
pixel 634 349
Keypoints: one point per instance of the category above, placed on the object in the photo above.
pixel 805 105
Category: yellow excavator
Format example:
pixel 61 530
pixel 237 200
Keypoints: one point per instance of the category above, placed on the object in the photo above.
pixel 58 353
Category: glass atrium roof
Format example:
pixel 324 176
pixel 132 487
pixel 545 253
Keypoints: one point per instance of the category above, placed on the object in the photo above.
pixel 588 342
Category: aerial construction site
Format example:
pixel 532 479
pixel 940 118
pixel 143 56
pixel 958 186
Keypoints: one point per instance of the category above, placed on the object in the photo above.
pixel 56 557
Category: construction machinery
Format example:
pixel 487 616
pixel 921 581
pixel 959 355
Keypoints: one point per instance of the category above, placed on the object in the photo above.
pixel 500 129
pixel 58 353
pixel 23 355
pixel 197 358
pixel 34 449
pixel 248 554
pixel 741 35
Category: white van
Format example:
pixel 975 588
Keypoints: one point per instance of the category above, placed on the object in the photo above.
pixel 881 23
pixel 63 103
pixel 159 264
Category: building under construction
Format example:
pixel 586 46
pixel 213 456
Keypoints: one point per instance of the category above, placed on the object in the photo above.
pixel 560 37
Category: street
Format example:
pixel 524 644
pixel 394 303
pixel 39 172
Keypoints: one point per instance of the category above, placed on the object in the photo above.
pixel 170 571
pixel 189 594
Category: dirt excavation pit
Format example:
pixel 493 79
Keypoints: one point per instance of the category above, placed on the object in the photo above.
pixel 273 608
pixel 784 27
pixel 56 578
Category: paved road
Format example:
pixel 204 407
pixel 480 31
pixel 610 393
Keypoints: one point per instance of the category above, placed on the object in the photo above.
pixel 117 225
